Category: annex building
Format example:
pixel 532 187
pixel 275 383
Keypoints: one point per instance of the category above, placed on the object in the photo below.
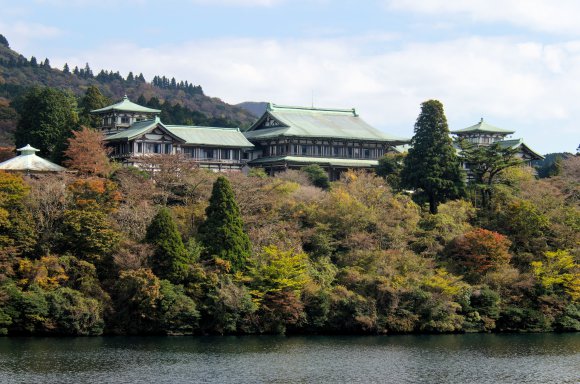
pixel 287 137
pixel 483 133
pixel 134 132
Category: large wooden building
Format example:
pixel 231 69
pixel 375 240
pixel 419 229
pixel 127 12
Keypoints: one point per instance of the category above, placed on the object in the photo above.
pixel 134 133
pixel 337 139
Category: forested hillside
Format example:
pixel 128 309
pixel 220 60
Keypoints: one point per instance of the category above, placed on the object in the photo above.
pixel 186 251
pixel 182 102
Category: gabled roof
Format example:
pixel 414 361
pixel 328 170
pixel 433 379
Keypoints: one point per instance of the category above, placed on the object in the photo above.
pixel 188 135
pixel 281 120
pixel 28 161
pixel 140 128
pixel 519 143
pixel 482 127
pixel 126 105
pixel 211 136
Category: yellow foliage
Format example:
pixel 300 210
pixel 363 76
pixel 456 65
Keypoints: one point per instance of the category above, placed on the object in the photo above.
pixel 559 270
pixel 47 272
pixel 444 282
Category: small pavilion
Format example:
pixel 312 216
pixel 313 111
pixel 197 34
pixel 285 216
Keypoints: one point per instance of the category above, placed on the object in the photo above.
pixel 29 162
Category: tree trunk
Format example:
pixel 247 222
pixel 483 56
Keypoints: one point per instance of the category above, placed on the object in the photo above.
pixel 432 204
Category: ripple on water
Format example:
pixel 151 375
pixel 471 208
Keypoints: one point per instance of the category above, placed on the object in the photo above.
pixel 542 358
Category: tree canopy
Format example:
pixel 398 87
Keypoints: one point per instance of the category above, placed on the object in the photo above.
pixel 222 233
pixel 432 166
pixel 47 119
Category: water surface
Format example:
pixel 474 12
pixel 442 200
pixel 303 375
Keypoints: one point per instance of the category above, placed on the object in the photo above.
pixel 477 358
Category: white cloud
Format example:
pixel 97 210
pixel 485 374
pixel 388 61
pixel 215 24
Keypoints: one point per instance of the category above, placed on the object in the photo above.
pixel 20 33
pixel 543 15
pixel 521 85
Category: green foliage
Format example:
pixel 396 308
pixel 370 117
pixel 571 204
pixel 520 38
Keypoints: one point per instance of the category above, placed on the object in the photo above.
pixel 170 258
pixel 559 272
pixel 88 234
pixel 318 176
pixel 485 163
pixel 145 304
pixel 222 233
pixel 47 118
pixel 432 166
pixel 17 235
pixel 74 314
pixel 276 270
pixel 390 167
pixel 93 99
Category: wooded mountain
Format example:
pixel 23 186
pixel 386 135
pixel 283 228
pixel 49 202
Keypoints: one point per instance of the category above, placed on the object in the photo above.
pixel 18 74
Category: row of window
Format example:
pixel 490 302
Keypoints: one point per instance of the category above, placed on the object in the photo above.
pixel 191 152
pixel 325 151
pixel 121 120
pixel 211 153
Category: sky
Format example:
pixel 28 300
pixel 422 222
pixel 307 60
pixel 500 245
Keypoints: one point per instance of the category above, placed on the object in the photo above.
pixel 514 63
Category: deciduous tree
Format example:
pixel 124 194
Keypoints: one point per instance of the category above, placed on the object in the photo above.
pixel 87 154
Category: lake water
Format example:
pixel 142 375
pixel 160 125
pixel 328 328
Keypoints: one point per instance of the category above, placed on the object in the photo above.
pixel 474 358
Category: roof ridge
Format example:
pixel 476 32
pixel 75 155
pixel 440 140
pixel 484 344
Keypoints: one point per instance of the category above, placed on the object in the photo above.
pixel 273 107
pixel 201 126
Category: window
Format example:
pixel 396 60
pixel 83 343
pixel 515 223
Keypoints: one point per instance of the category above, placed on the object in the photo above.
pixel 367 153
pixel 304 149
pixel 350 151
pixel 225 154
pixel 157 148
pixel 336 151
pixel 139 147
pixel 125 120
pixel 167 148
pixel 209 153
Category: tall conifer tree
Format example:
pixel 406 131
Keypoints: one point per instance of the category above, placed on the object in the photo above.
pixel 432 165
pixel 222 233
pixel 170 257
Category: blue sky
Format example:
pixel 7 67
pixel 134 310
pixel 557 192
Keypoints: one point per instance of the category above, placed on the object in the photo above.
pixel 515 63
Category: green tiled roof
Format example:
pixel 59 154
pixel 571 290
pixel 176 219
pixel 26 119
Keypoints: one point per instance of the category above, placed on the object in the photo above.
pixel 316 160
pixel 137 129
pixel 207 136
pixel 316 122
pixel 211 136
pixel 482 127
pixel 519 143
pixel 126 105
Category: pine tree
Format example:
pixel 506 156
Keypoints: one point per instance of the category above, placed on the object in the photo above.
pixel 93 99
pixel 4 41
pixel 432 166
pixel 88 71
pixel 222 233
pixel 33 62
pixel 170 257
pixel 65 69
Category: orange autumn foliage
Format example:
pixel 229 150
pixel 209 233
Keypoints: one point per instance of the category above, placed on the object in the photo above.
pixel 87 154
pixel 479 251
